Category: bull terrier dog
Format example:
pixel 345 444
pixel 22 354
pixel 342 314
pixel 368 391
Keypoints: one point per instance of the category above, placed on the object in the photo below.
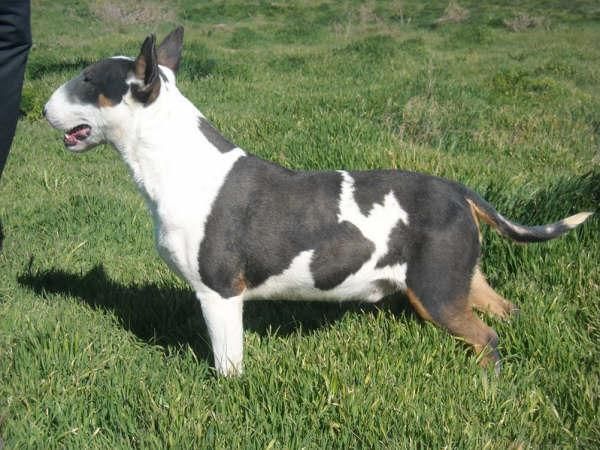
pixel 237 227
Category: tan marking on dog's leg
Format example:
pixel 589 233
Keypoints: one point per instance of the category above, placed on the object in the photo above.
pixel 460 321
pixel 418 306
pixel 466 325
pixel 483 298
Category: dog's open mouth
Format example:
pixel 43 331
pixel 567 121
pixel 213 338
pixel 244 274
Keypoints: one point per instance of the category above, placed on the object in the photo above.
pixel 77 134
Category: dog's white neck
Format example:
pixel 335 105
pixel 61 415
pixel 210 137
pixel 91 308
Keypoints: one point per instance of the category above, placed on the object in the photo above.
pixel 166 151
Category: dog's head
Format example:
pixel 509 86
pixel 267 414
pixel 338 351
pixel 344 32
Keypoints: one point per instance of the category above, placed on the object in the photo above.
pixel 97 105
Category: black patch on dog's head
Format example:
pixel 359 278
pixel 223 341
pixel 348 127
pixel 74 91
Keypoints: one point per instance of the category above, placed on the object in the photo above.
pixel 213 136
pixel 105 82
pixel 107 78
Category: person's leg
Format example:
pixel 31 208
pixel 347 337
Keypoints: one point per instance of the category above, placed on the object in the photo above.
pixel 15 41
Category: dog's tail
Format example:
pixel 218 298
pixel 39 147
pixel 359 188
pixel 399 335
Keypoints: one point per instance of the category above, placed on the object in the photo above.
pixel 487 213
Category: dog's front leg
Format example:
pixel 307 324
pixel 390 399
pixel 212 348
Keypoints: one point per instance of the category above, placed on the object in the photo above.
pixel 224 322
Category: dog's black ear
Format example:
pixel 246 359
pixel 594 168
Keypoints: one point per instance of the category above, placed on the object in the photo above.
pixel 146 70
pixel 169 51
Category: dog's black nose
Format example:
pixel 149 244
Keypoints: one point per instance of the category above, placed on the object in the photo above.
pixel 44 111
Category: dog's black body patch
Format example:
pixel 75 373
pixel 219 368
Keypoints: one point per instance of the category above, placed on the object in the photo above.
pixel 213 136
pixel 265 215
pixel 107 77
pixel 340 256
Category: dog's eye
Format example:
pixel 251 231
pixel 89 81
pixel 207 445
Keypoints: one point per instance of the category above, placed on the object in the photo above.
pixel 87 77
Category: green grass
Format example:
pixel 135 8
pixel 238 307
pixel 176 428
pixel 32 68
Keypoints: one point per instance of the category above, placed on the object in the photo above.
pixel 102 347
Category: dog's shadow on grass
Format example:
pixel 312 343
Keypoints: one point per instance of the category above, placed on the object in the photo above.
pixel 171 317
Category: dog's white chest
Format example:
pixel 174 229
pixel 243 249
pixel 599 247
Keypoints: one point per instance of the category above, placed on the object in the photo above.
pixel 180 201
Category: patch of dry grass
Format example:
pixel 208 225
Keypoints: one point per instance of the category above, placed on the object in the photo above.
pixel 422 119
pixel 366 14
pixel 358 20
pixel 522 22
pixel 454 13
pixel 367 17
pixel 133 12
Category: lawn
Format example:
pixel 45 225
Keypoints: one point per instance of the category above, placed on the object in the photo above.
pixel 101 346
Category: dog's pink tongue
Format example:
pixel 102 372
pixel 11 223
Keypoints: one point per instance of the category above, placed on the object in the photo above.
pixel 70 139
pixel 77 134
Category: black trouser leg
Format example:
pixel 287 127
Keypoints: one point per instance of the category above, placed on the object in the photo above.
pixel 15 41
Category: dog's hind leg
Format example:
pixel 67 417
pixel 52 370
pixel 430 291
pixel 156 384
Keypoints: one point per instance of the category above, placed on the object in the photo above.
pixel 458 318
pixel 439 283
pixel 223 319
pixel 466 325
pixel 483 298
